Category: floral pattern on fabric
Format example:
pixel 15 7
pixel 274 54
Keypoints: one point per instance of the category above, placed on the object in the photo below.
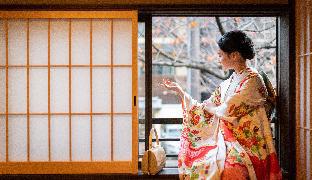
pixel 241 110
pixel 199 120
pixel 216 96
pixel 229 134
pixel 235 158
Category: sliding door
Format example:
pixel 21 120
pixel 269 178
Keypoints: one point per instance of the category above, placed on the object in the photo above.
pixel 68 86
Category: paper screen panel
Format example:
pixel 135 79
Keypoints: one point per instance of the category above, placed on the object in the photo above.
pixel 101 138
pixel 80 90
pixel 53 76
pixel 2 90
pixel 2 138
pixel 101 90
pixel 101 41
pixel 17 138
pixel 122 137
pixel 17 90
pixel 38 41
pixel 38 89
pixel 122 41
pixel 59 138
pixel 122 89
pixel 17 37
pixel 38 136
pixel 59 84
pixel 81 138
pixel 80 41
pixel 2 42
pixel 59 41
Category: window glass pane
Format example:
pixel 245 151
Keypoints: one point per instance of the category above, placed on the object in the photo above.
pixel 168 130
pixel 142 130
pixel 141 148
pixel 172 148
pixel 141 69
pixel 172 162
pixel 141 84
pixel 185 50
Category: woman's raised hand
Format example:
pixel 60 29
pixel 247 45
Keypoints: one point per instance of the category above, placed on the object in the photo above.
pixel 172 86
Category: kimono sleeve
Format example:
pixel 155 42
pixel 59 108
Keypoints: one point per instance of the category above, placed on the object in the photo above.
pixel 213 101
pixel 248 96
pixel 195 115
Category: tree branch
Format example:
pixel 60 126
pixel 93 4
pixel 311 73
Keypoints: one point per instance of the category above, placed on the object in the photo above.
pixel 260 30
pixel 198 66
pixel 220 27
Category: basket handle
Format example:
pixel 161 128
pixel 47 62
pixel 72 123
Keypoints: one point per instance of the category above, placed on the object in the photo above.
pixel 153 130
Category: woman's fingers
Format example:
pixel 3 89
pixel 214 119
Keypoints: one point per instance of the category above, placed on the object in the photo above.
pixel 169 84
pixel 166 81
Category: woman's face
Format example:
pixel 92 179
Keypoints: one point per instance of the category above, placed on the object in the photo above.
pixel 225 60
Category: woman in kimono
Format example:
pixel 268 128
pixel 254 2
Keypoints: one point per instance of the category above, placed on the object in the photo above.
pixel 228 136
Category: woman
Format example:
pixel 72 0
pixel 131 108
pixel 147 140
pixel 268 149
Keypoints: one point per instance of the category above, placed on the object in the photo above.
pixel 228 136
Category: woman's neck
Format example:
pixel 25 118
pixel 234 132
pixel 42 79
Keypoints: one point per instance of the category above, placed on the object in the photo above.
pixel 240 67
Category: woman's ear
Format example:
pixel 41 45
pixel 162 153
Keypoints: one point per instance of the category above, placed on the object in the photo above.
pixel 235 55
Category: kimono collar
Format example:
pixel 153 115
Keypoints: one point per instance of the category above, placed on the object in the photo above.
pixel 241 73
pixel 234 79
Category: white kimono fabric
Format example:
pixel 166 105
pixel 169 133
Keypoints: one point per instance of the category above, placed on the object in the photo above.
pixel 229 130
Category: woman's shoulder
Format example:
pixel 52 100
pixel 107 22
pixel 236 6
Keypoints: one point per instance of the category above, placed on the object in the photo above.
pixel 254 79
pixel 252 74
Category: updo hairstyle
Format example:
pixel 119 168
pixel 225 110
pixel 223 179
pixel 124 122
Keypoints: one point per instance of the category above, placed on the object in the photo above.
pixel 237 41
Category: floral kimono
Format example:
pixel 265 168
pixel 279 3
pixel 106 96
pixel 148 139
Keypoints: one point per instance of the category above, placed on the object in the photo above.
pixel 230 129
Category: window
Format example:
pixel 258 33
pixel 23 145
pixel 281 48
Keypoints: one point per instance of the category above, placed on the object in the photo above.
pixel 182 46
pixel 64 108
pixel 168 45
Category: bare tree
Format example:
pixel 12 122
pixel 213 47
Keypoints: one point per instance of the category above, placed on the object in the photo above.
pixel 170 44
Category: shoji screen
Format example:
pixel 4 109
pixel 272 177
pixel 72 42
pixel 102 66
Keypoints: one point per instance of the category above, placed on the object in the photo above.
pixel 68 82
pixel 304 88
